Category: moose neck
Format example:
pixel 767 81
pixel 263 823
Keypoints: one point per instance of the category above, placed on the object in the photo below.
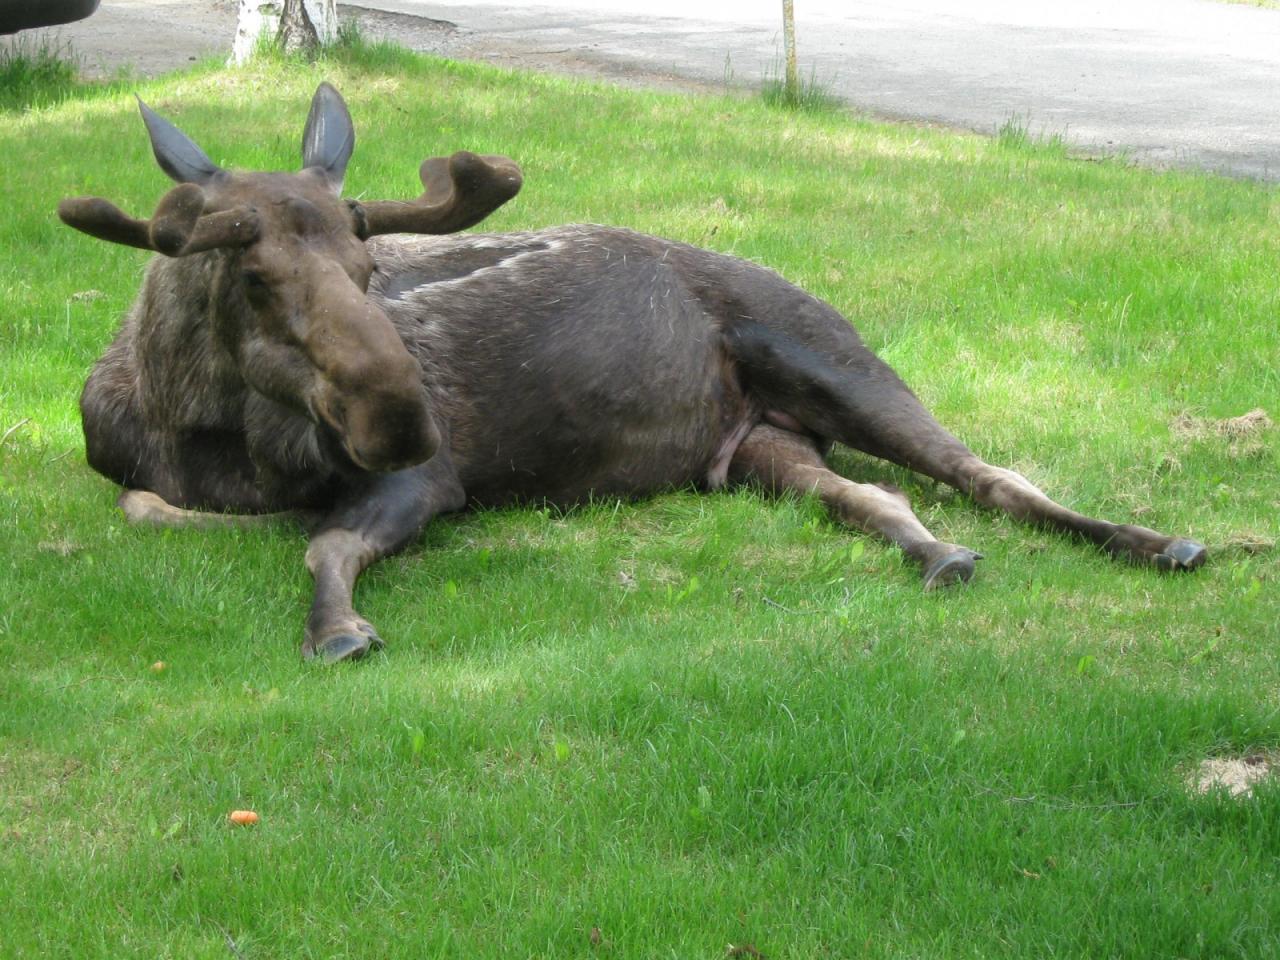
pixel 176 318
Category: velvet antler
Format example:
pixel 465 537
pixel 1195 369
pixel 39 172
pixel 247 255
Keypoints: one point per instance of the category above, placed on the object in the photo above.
pixel 461 190
pixel 179 226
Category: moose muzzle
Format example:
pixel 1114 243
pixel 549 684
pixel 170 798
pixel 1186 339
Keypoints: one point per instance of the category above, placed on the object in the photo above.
pixel 371 392
pixel 381 415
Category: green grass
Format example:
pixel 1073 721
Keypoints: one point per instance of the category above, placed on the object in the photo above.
pixel 809 96
pixel 694 721
pixel 34 73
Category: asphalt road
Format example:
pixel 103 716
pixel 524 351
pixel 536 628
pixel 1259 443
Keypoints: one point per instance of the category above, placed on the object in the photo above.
pixel 1167 82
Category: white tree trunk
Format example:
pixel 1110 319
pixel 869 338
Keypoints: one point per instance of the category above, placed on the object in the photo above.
pixel 324 17
pixel 259 17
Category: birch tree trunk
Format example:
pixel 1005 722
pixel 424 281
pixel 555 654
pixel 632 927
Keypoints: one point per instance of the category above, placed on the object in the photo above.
pixel 291 24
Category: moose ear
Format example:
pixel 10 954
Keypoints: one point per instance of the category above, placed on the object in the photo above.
pixel 176 153
pixel 329 137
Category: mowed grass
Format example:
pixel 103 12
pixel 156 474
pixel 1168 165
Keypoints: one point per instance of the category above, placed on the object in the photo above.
pixel 698 726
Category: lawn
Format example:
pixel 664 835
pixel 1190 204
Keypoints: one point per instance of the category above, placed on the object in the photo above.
pixel 697 726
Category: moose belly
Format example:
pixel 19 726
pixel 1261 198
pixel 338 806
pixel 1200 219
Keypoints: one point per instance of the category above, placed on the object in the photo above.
pixel 627 417
pixel 627 444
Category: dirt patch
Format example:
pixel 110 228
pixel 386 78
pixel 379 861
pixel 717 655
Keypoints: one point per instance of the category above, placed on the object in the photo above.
pixel 1246 426
pixel 1236 775
pixel 1243 433
pixel 1248 543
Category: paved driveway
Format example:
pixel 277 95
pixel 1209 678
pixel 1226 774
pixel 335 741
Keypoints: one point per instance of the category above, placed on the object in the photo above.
pixel 1184 82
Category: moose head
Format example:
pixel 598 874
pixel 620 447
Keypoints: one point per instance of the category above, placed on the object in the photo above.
pixel 294 263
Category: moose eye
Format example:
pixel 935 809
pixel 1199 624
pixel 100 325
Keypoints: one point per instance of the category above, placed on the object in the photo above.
pixel 359 220
pixel 253 280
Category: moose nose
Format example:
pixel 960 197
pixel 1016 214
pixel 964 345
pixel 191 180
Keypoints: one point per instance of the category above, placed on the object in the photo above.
pixel 382 420
pixel 390 432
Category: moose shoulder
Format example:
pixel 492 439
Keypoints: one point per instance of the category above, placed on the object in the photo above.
pixel 291 350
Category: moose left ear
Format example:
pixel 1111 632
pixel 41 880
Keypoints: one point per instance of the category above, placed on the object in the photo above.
pixel 329 136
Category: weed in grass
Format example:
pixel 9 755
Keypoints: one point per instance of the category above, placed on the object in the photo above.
pixel 35 73
pixel 1015 134
pixel 808 96
pixel 351 38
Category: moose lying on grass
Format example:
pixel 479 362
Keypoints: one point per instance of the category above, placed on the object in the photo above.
pixel 284 355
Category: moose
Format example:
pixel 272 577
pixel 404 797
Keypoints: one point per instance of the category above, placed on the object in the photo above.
pixel 360 364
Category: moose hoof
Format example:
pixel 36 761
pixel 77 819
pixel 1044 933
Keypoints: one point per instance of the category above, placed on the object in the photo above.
pixel 955 565
pixel 1181 555
pixel 351 643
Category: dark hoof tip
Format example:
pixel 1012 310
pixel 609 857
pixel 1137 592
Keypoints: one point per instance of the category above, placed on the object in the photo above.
pixel 375 641
pixel 1182 555
pixel 950 568
pixel 344 646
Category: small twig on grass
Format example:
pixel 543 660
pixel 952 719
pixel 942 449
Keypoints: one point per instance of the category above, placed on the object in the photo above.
pixel 115 678
pixel 1055 804
pixel 1061 805
pixel 231 944
pixel 774 603
pixel 8 433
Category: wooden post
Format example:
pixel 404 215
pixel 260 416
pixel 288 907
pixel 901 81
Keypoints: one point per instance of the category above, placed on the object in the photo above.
pixel 789 43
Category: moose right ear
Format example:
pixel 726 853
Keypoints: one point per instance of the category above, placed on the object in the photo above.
pixel 176 153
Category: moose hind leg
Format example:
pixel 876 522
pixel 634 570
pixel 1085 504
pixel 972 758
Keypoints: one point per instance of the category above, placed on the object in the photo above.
pixel 1011 492
pixel 142 507
pixel 866 406
pixel 931 450
pixel 781 460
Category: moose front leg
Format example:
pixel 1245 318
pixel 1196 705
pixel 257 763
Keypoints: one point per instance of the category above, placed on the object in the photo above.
pixel 377 521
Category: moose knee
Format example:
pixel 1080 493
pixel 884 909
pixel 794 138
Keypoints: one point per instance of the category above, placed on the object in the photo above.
pixel 338 551
pixel 1009 491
